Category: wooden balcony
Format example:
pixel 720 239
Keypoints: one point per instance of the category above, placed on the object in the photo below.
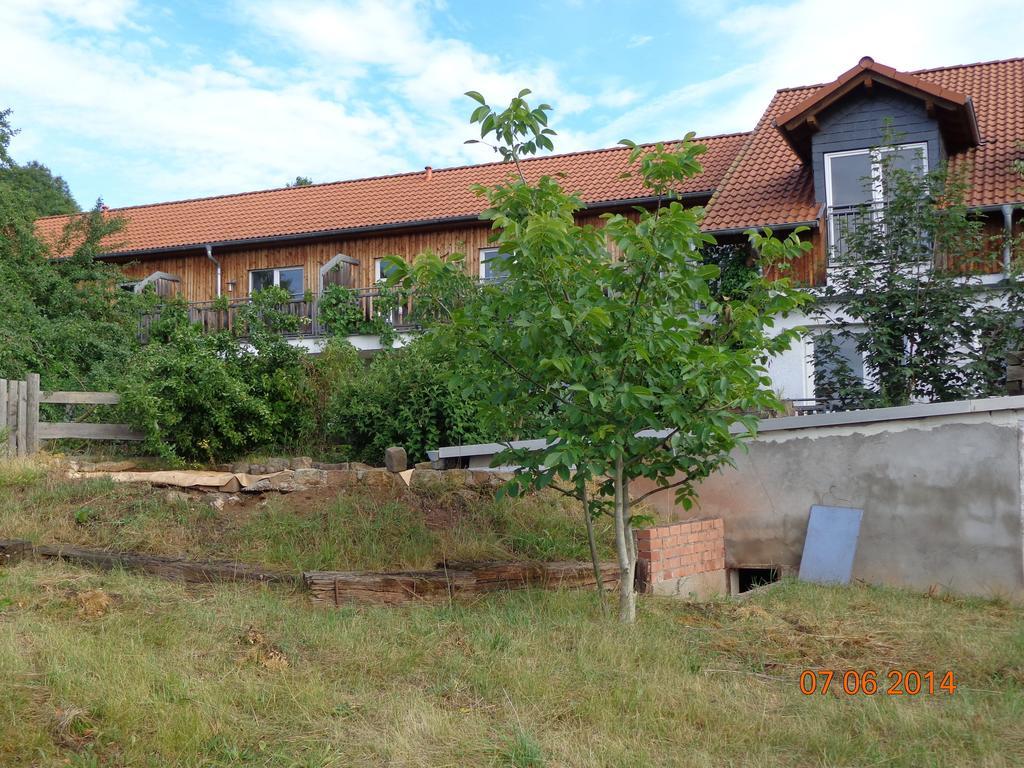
pixel 213 316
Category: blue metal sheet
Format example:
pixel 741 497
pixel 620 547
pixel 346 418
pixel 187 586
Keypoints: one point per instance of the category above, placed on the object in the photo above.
pixel 831 544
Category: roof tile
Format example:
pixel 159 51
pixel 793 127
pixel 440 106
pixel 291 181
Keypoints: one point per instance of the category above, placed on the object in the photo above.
pixel 768 185
pixel 386 200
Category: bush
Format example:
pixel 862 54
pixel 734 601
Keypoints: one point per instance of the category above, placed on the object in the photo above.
pixel 405 397
pixel 211 397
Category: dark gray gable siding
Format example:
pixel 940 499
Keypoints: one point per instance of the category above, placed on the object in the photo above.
pixel 858 122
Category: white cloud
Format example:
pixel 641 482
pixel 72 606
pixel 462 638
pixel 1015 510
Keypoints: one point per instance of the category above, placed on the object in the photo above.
pixel 807 42
pixel 639 40
pixel 369 87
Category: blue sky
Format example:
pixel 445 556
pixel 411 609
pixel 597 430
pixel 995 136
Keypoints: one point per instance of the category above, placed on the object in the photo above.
pixel 142 101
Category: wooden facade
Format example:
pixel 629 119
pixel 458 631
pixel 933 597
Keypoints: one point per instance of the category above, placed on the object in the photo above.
pixel 198 274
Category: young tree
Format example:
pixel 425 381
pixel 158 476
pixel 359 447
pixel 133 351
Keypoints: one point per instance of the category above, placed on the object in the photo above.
pixel 905 291
pixel 611 338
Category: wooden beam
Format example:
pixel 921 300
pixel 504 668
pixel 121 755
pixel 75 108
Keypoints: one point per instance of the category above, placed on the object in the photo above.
pixel 929 107
pixel 85 431
pixel 869 85
pixel 32 413
pixel 174 569
pixel 812 123
pixel 81 398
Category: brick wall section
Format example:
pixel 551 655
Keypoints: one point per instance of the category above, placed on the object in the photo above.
pixel 678 550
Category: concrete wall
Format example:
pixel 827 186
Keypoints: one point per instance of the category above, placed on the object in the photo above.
pixel 940 486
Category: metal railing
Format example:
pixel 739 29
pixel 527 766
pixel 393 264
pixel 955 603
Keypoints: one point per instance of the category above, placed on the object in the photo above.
pixel 215 316
pixel 846 219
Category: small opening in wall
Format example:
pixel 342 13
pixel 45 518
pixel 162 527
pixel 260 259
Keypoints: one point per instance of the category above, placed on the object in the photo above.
pixel 746 579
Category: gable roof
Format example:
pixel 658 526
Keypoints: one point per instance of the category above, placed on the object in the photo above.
pixel 954 111
pixel 769 185
pixel 408 199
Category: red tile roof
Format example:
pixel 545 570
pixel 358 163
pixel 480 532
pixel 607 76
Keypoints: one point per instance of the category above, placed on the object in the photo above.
pixel 769 185
pixel 756 177
pixel 385 200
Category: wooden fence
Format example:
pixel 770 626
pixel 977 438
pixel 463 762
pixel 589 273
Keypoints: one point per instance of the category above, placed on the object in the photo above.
pixel 19 417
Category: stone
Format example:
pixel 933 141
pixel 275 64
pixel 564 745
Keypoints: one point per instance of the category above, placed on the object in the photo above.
pixel 175 497
pixel 216 500
pixel 309 477
pixel 330 465
pixel 241 468
pixel 396 459
pixel 340 476
pixel 377 478
pixel 108 466
pixel 359 465
pixel 302 462
pixel 424 465
pixel 426 477
pixel 258 487
pixel 283 481
pixel 276 465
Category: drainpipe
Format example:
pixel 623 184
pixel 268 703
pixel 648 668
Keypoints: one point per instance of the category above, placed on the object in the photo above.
pixel 209 255
pixel 1008 231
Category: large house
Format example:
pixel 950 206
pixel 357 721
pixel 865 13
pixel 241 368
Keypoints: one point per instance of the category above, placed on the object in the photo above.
pixel 801 165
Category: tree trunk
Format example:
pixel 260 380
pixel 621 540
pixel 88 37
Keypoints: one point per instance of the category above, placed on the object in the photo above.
pixel 598 585
pixel 624 548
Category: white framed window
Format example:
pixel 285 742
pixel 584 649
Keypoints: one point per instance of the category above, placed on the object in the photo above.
pixel 492 267
pixel 289 278
pixel 853 183
pixel 381 270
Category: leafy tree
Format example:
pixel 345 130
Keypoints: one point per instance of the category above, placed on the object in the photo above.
pixel 40 192
pixel 622 352
pixel 67 319
pixel 301 181
pixel 46 194
pixel 906 292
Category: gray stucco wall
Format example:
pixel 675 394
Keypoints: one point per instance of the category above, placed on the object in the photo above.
pixel 858 122
pixel 941 499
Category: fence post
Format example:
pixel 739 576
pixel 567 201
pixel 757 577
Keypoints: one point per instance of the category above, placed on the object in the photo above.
pixel 32 409
pixel 3 416
pixel 22 418
pixel 12 418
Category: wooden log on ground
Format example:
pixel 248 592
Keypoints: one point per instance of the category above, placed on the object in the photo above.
pixel 174 569
pixel 450 580
pixel 358 587
pixel 14 550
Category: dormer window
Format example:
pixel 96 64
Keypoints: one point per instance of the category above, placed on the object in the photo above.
pixel 855 188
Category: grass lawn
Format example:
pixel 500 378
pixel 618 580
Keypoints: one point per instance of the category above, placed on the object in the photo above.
pixel 227 675
pixel 126 670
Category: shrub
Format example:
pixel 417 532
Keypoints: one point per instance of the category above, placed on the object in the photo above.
pixel 210 397
pixel 405 397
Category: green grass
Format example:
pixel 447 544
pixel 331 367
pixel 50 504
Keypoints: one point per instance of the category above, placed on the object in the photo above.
pixel 343 530
pixel 524 679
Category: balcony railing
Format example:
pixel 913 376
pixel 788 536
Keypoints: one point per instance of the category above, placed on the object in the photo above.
pixel 213 316
pixel 843 220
